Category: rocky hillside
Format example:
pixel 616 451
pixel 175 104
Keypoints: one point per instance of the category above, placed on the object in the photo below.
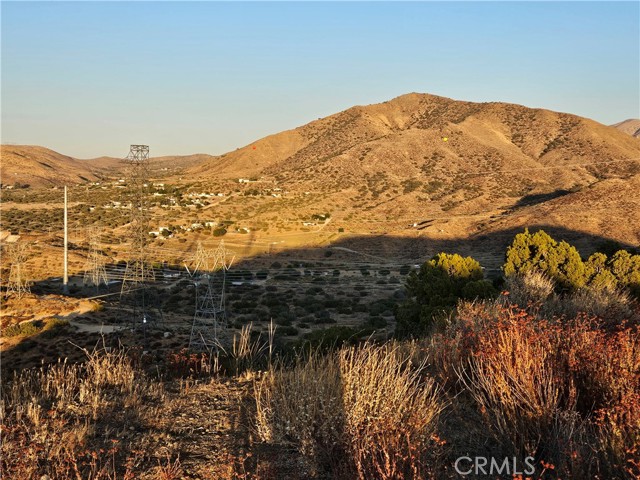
pixel 418 157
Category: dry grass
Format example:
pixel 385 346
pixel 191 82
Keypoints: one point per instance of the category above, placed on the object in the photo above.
pixel 392 412
pixel 497 381
pixel 363 411
pixel 529 288
pixel 534 291
pixel 52 417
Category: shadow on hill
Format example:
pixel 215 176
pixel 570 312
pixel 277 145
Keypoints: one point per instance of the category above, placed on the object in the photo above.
pixel 349 265
pixel 534 199
pixel 489 249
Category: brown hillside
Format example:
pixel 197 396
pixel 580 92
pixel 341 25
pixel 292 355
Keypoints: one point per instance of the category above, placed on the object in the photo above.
pixel 404 138
pixel 631 126
pixel 608 208
pixel 41 167
pixel 157 165
pixel 385 167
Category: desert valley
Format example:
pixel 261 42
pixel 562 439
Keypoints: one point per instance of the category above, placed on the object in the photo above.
pixel 310 239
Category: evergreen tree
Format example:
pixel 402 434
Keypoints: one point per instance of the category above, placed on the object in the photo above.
pixel 436 288
pixel 538 251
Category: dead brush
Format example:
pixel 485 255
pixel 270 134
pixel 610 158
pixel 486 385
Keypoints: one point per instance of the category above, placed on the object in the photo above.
pixel 611 305
pixel 171 470
pixel 531 288
pixel 50 416
pixel 512 379
pixel 364 410
pixel 247 354
pixel 391 412
pixel 302 405
pixel 564 392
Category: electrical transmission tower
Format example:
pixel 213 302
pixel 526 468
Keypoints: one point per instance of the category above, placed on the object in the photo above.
pixel 94 270
pixel 210 271
pixel 138 272
pixel 18 283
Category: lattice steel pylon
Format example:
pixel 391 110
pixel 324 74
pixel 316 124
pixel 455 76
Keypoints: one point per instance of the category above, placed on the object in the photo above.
pixel 94 270
pixel 18 283
pixel 210 271
pixel 138 272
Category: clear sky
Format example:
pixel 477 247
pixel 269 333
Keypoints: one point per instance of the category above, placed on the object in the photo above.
pixel 89 78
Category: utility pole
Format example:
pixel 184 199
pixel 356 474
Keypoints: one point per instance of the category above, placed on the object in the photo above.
pixel 94 271
pixel 138 272
pixel 210 311
pixel 65 278
pixel 18 282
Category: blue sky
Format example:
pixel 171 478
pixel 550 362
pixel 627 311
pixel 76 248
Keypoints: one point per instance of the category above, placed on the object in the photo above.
pixel 90 78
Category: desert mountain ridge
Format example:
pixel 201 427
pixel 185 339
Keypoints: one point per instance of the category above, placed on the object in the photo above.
pixel 390 133
pixel 630 126
pixel 442 167
pixel 38 166
pixel 378 137
pixel 41 167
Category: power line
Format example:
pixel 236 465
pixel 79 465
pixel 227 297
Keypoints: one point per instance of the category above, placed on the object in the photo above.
pixel 95 272
pixel 211 312
pixel 18 283
pixel 138 271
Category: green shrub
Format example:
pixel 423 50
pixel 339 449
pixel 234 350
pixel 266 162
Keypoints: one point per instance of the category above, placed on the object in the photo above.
pixel 377 322
pixel 287 330
pixel 436 288
pixel 54 326
pixel 22 329
pixel 331 337
pixel 538 251
pixel 562 263
pixel 626 269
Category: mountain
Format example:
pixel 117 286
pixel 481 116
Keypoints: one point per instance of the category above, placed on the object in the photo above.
pixel 41 167
pixel 419 158
pixel 630 126
pixel 417 135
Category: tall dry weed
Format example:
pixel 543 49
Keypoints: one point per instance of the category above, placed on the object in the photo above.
pixel 392 411
pixel 50 416
pixel 562 391
pixel 362 411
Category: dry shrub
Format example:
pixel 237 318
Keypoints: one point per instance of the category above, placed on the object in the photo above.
pixel 511 376
pixel 391 413
pixel 363 411
pixel 610 305
pixel 247 354
pixel 170 470
pixel 529 288
pixel 534 291
pixel 303 405
pixel 50 417
pixel 565 392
